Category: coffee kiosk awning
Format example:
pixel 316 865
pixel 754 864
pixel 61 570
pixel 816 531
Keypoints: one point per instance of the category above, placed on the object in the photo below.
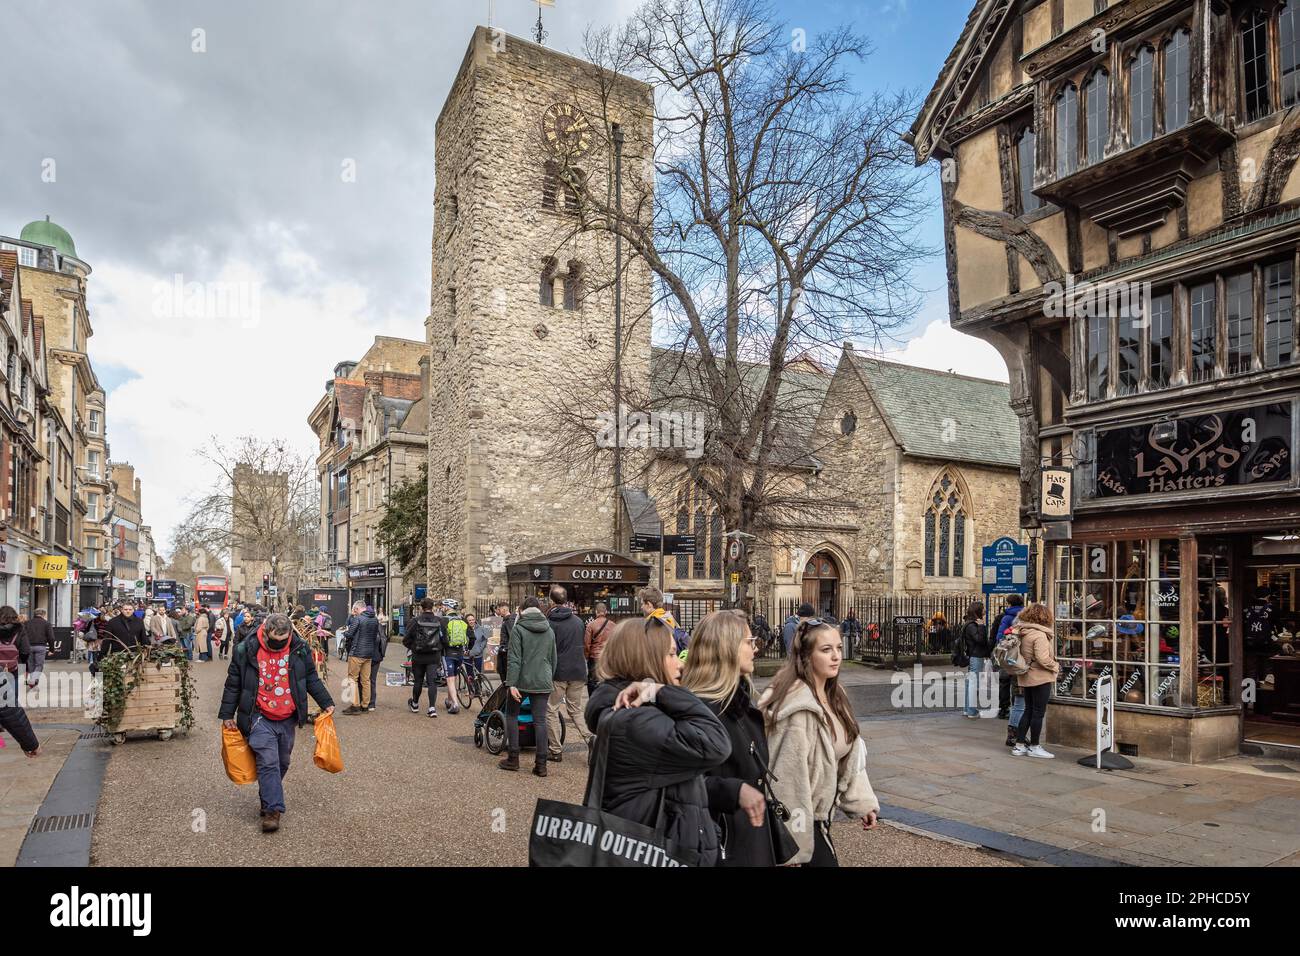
pixel 585 566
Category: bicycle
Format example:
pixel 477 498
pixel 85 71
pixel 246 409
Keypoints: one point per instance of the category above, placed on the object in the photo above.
pixel 472 684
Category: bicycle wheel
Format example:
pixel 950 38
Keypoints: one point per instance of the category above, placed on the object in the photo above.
pixel 483 688
pixel 464 689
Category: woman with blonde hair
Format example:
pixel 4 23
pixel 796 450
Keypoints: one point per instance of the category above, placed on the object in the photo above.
pixel 1034 628
pixel 819 760
pixel 719 665
pixel 661 738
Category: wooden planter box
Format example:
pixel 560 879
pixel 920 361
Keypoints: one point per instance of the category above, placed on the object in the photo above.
pixel 154 704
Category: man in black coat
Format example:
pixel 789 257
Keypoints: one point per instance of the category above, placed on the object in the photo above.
pixel 508 622
pixel 570 673
pixel 39 635
pixel 265 698
pixel 361 640
pixel 122 633
pixel 425 636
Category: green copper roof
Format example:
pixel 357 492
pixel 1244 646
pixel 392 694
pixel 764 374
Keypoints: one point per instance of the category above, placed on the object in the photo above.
pixel 49 234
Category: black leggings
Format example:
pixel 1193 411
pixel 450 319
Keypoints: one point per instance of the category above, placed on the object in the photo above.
pixel 823 850
pixel 422 672
pixel 1031 721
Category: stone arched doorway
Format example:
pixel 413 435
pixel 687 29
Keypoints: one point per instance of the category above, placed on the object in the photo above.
pixel 821 583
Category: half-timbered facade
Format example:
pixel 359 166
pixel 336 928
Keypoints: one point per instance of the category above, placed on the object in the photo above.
pixel 1122 218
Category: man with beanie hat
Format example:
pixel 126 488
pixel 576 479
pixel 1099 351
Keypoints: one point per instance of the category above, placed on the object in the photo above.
pixel 265 698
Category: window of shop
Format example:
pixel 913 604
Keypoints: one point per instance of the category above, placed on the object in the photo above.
pixel 1161 361
pixel 1241 322
pixel 1178 81
pixel 1204 324
pixel 1141 116
pixel 1118 609
pixel 1026 148
pixel 1279 315
pixel 1098 356
pixel 1097 115
pixel 1067 131
pixel 1254 65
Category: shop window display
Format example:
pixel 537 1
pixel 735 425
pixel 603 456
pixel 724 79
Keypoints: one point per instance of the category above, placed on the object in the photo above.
pixel 1117 613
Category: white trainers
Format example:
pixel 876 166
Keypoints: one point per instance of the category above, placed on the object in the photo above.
pixel 1037 751
pixel 1019 750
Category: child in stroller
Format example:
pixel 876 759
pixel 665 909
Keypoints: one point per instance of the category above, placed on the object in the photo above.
pixel 490 724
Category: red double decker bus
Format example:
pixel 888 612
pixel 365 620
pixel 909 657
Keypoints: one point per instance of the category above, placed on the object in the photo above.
pixel 212 590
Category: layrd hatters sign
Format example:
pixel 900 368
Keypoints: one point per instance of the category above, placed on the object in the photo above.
pixel 1196 453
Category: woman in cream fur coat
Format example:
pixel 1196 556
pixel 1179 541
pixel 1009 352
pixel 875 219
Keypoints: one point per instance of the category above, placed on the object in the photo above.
pixel 819 759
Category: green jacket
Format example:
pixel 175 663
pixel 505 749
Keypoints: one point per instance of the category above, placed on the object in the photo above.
pixel 531 655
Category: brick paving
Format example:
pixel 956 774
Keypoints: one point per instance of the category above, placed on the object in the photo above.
pixel 413 791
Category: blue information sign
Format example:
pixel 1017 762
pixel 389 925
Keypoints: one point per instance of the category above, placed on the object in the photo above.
pixel 1006 567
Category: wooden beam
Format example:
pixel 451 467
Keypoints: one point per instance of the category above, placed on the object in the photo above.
pixel 1010 230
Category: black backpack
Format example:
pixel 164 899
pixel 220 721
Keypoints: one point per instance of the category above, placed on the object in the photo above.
pixel 961 650
pixel 428 637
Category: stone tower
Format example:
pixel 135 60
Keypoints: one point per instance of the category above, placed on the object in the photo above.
pixel 521 319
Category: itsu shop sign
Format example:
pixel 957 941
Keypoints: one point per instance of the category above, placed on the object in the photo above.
pixel 1223 449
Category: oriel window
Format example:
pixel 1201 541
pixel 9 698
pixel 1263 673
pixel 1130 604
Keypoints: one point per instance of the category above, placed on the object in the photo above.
pixel 1141 92
pixel 1178 81
pixel 1067 131
pixel 1097 115
pixel 1256 98
pixel 1160 361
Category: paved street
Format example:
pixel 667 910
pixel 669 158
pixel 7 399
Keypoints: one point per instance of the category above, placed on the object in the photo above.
pixel 414 791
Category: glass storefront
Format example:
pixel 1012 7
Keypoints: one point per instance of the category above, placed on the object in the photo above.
pixel 1118 608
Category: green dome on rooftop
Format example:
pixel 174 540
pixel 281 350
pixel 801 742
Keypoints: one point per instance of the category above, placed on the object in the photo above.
pixel 49 234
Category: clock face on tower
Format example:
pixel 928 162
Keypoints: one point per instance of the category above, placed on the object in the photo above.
pixel 565 130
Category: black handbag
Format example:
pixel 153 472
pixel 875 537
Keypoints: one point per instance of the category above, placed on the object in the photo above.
pixel 784 846
pixel 564 834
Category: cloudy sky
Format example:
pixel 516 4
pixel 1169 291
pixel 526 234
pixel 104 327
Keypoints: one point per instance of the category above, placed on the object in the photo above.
pixel 281 153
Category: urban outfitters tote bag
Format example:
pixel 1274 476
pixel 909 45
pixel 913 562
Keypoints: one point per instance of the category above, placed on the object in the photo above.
pixel 564 834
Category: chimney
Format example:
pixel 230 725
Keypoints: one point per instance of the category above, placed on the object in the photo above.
pixel 424 376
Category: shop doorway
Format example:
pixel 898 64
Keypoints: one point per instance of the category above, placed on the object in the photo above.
pixel 821 583
pixel 1273 576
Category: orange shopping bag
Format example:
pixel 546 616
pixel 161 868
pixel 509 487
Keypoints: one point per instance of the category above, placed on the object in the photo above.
pixel 241 766
pixel 327 754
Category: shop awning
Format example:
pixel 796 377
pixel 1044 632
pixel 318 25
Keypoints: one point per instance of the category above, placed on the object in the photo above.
pixel 583 566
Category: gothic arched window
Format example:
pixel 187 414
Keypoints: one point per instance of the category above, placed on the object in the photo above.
pixel 1067 131
pixel 1096 115
pixel 1178 81
pixel 946 514
pixel 546 287
pixel 683 569
pixel 1141 97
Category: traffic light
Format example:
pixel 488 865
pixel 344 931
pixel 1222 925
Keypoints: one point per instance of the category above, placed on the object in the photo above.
pixel 148 584
pixel 266 584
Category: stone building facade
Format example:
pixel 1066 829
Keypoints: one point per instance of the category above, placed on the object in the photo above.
pixel 1123 224
pixel 126 526
pixel 521 311
pixel 371 428
pixel 55 452
pixel 918 468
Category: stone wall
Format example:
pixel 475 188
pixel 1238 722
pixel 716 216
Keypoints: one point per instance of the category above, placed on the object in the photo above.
pixel 992 496
pixel 503 367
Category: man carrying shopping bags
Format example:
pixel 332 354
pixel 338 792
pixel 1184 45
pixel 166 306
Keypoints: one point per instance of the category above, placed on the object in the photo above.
pixel 265 698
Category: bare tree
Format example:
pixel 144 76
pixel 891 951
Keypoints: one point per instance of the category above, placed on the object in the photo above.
pixel 779 223
pixel 262 505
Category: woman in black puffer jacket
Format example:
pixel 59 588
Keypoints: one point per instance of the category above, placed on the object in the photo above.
pixel 662 738
pixel 719 666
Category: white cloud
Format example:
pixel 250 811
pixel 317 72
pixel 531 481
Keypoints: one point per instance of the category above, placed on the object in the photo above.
pixel 223 375
pixel 940 347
